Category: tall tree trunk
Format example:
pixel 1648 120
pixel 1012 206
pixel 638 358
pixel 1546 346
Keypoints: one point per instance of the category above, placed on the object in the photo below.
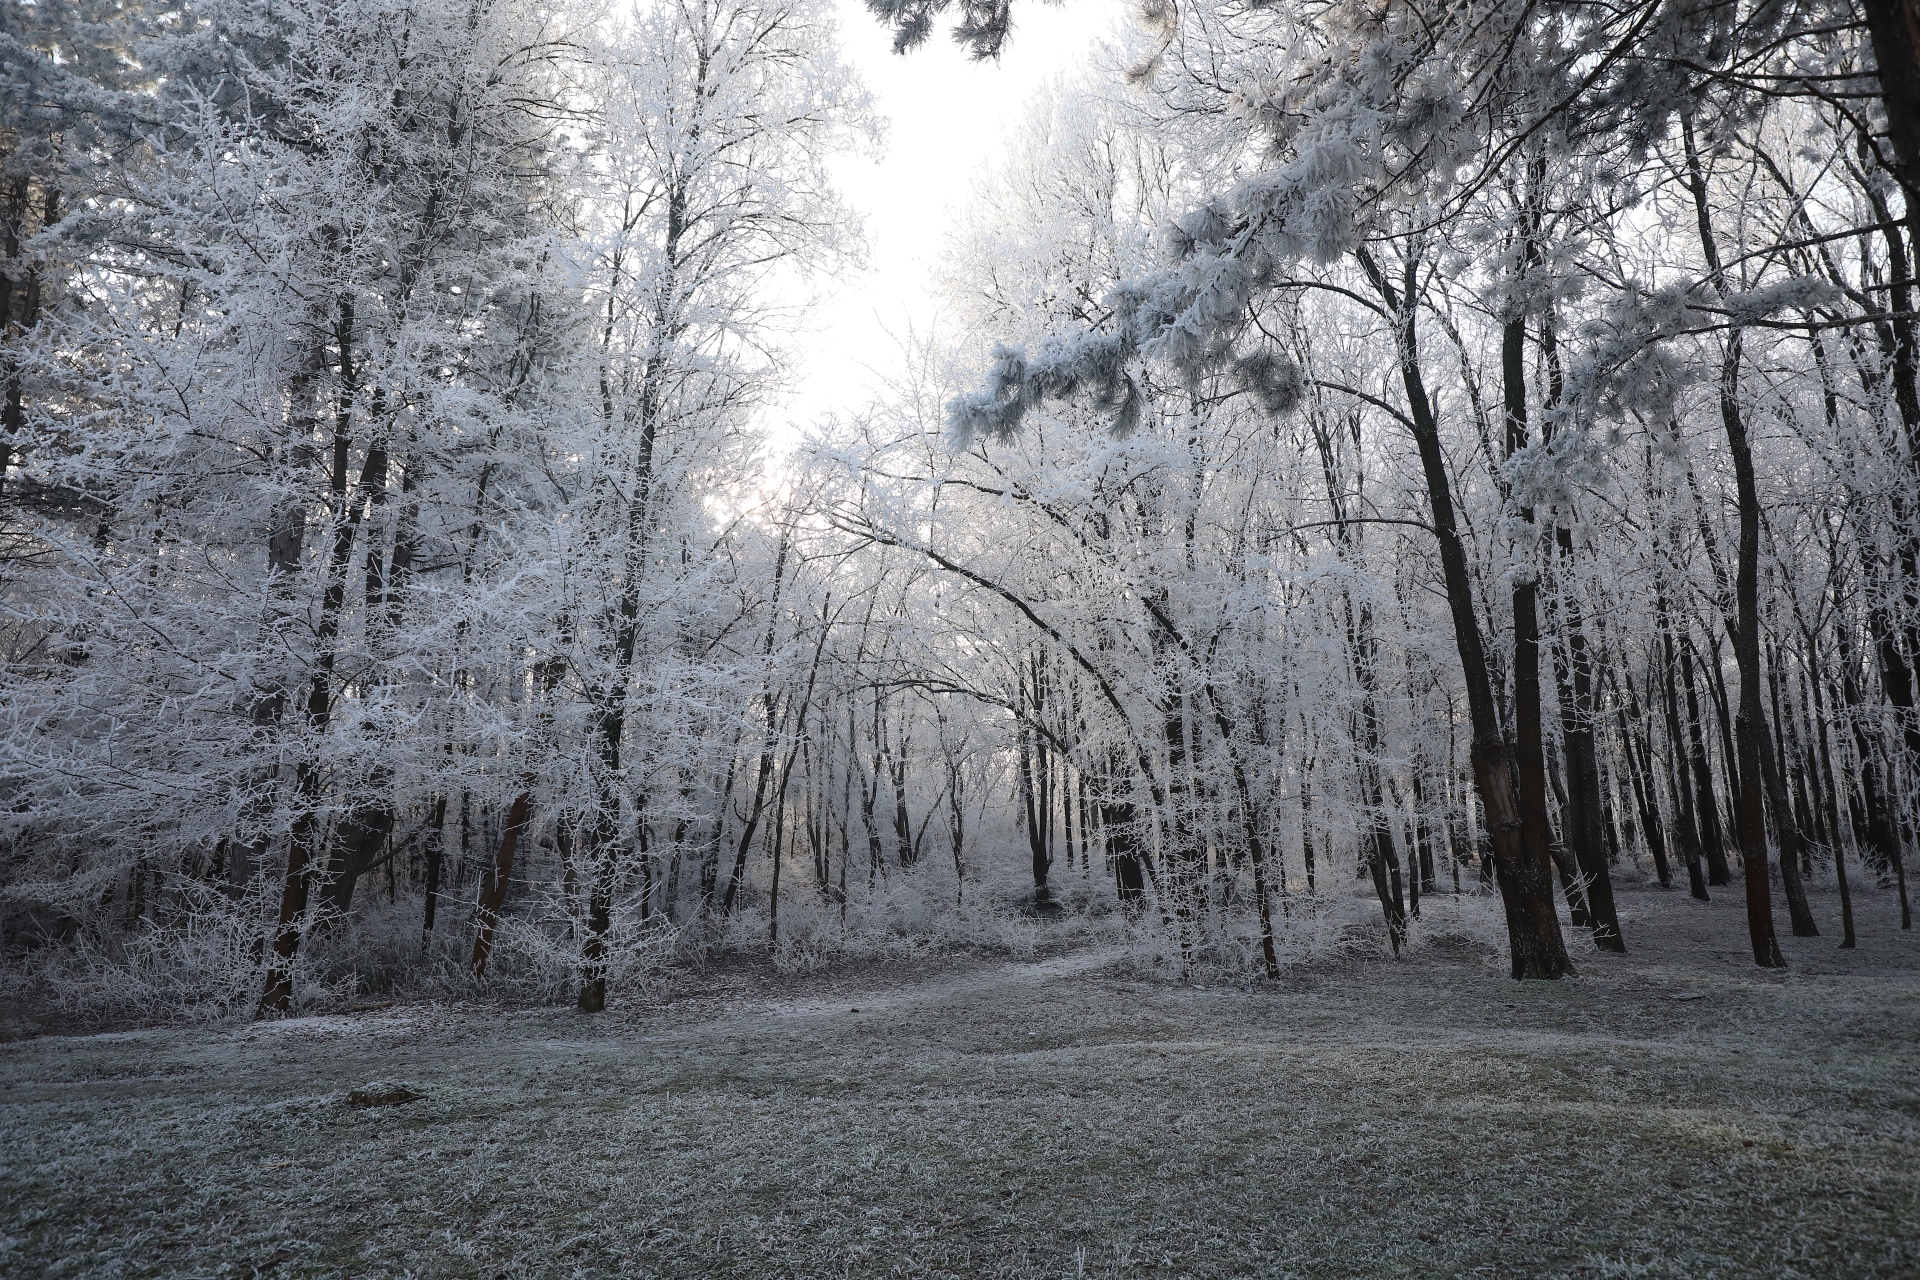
pixel 1813 690
pixel 1573 679
pixel 1678 757
pixel 1529 735
pixel 1526 886
pixel 1120 831
pixel 1573 665
pixel 1574 690
pixel 1750 722
pixel 1563 860
pixel 1382 860
pixel 957 831
pixel 350 501
pixel 601 870
pixel 19 308
pixel 1894 27
pixel 1038 860
pixel 1306 826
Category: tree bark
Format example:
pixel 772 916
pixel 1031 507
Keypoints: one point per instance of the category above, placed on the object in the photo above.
pixel 1536 946
pixel 1640 775
pixel 1678 755
pixel 1573 672
pixel 350 502
pixel 1874 814
pixel 1785 824
pixel 1706 806
pixel 493 889
pixel 1750 722
pixel 1383 862
pixel 436 845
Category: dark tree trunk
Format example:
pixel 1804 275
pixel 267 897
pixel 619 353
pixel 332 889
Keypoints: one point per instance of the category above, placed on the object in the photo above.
pixel 601 855
pixel 1640 775
pixel 1872 820
pixel 762 781
pixel 902 820
pixel 1750 727
pixel 1894 27
pixel 1423 877
pixel 1814 687
pixel 1750 723
pixel 1537 947
pixel 350 501
pixel 19 306
pixel 493 887
pixel 1306 826
pixel 436 845
pixel 1786 826
pixel 1118 827
pixel 1573 679
pixel 1706 810
pixel 714 843
pixel 302 856
pixel 1039 862
pixel 356 850
pixel 1563 861
pixel 1529 732
pixel 1678 754
pixel 1712 668
pixel 1382 861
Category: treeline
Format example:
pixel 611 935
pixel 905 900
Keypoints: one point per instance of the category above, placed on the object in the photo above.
pixel 1453 448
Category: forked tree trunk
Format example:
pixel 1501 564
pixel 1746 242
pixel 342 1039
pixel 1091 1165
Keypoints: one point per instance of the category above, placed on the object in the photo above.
pixel 350 501
pixel 1526 885
pixel 493 889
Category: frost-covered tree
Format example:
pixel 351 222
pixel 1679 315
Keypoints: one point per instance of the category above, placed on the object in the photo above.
pixel 1400 449
pixel 65 108
pixel 1374 136
pixel 293 409
pixel 713 124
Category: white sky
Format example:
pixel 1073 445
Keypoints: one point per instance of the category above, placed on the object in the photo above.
pixel 946 118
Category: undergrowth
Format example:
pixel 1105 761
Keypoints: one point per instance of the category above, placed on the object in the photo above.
pixel 203 961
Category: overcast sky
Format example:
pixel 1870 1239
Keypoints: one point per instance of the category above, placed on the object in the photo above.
pixel 946 118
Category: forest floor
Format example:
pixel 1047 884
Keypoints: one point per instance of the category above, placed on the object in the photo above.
pixel 1672 1112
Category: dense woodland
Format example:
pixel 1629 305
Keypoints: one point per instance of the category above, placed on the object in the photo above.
pixel 1382 447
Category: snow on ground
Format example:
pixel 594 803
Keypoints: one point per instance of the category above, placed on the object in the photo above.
pixel 1674 1112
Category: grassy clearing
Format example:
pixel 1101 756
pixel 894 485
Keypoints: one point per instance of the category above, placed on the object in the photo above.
pixel 1674 1112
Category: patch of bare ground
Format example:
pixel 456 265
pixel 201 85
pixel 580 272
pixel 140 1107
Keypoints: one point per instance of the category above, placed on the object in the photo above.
pixel 1672 1112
